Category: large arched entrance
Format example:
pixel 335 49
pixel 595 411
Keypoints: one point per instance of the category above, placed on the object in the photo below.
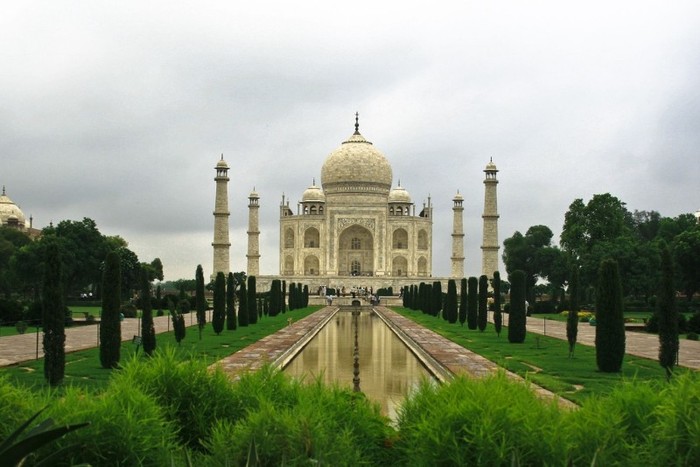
pixel 356 252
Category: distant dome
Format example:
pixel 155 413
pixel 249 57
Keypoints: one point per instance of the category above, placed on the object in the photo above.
pixel 399 195
pixel 491 167
pixel 458 197
pixel 356 166
pixel 9 211
pixel 313 194
pixel 222 163
pixel 253 194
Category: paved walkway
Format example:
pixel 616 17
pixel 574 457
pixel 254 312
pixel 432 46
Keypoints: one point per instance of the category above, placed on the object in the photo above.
pixel 637 343
pixel 23 347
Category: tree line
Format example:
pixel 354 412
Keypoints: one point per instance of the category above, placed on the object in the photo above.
pixel 604 228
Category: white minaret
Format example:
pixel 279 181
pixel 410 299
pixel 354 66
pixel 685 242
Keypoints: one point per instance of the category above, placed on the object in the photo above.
pixel 253 235
pixel 221 242
pixel 458 237
pixel 490 247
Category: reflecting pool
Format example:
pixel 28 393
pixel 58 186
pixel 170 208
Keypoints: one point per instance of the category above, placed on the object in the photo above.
pixel 388 370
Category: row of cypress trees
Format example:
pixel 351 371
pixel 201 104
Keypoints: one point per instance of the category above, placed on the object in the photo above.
pixel 610 324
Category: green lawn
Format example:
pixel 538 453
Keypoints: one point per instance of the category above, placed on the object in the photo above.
pixel 83 367
pixel 78 313
pixel 634 317
pixel 543 360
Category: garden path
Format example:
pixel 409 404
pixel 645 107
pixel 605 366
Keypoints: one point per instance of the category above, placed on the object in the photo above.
pixel 637 343
pixel 22 347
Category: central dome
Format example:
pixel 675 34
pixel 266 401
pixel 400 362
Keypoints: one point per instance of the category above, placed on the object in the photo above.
pixel 356 166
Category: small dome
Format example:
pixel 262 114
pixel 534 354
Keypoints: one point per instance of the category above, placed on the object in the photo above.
pixel 313 194
pixel 9 211
pixel 356 166
pixel 399 195
pixel 222 163
pixel 491 167
pixel 458 197
pixel 253 194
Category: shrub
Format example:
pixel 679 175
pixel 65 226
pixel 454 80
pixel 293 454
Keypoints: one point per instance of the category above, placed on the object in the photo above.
pixel 127 427
pixel 21 326
pixel 693 324
pixel 594 433
pixel 674 435
pixel 128 310
pixel 11 311
pixel 191 396
pixel 492 421
pixel 18 404
pixel 692 336
pixel 546 307
pixel 300 424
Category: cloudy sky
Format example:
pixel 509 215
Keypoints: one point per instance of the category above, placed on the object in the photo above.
pixel 118 111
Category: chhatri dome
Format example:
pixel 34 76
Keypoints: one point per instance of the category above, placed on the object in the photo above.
pixel 356 166
pixel 10 213
pixel 313 194
pixel 399 195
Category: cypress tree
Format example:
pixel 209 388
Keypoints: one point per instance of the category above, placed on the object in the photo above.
pixel 451 304
pixel 283 297
pixel 428 299
pixel 53 318
pixel 292 296
pixel 243 305
pixel 148 331
pixel 305 296
pixel 517 316
pixel 275 297
pixel 610 321
pixel 436 298
pixel 218 318
pixel 159 301
pixel 110 326
pixel 200 300
pixel 462 301
pixel 176 314
pixel 472 302
pixel 667 314
pixel 572 318
pixel 497 316
pixel 482 316
pixel 252 301
pixel 421 297
pixel 230 303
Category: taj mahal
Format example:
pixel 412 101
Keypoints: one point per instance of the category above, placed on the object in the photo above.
pixel 357 229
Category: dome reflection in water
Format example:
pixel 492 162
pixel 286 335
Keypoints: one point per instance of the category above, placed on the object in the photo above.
pixel 388 370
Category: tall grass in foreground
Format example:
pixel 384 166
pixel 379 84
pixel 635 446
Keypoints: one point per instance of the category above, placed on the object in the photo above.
pixel 499 422
pixel 157 411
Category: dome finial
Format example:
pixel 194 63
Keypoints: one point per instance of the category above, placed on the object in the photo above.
pixel 357 123
pixel 313 181
pixel 3 190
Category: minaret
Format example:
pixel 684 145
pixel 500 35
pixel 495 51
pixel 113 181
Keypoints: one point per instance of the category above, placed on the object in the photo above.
pixel 221 242
pixel 458 237
pixel 490 247
pixel 253 235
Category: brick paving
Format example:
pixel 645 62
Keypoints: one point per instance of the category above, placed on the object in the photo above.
pixel 23 347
